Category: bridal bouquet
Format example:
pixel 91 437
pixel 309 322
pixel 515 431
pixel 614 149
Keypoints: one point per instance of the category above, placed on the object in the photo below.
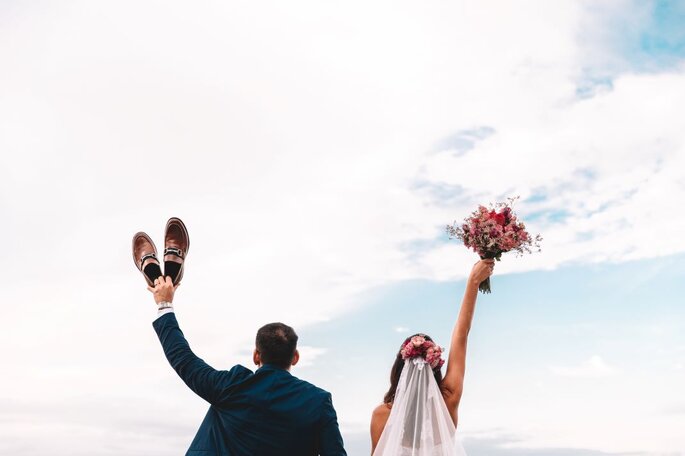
pixel 490 232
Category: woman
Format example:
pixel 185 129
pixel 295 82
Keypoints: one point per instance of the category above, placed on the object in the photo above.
pixel 418 416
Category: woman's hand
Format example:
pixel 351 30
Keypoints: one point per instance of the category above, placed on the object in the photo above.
pixel 163 290
pixel 481 271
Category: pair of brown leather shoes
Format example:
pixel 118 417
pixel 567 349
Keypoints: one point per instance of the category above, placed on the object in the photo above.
pixel 176 245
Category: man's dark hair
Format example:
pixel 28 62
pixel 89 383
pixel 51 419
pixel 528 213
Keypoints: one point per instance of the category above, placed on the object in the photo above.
pixel 276 343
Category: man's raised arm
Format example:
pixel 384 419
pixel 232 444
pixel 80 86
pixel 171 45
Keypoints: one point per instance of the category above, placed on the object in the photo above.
pixel 203 379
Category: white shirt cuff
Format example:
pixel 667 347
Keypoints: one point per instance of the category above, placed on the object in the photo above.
pixel 164 311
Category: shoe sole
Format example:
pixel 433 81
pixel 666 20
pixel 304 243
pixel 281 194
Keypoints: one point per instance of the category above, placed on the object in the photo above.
pixel 187 236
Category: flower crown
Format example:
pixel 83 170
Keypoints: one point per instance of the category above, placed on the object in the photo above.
pixel 419 347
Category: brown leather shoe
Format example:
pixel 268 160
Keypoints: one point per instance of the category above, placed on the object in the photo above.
pixel 176 245
pixel 144 254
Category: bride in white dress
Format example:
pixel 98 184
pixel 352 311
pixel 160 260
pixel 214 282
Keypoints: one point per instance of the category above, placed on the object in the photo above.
pixel 418 416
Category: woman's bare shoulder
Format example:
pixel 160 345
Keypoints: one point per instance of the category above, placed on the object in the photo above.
pixel 381 413
pixel 380 416
pixel 378 419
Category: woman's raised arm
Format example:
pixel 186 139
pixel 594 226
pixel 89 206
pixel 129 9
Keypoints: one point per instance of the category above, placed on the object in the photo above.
pixel 453 382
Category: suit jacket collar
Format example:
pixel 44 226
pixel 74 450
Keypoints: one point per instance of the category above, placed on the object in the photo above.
pixel 267 367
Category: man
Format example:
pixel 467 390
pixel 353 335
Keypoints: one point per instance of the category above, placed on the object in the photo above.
pixel 262 413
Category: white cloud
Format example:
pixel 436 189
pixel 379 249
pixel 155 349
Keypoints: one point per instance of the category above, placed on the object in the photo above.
pixel 309 354
pixel 593 367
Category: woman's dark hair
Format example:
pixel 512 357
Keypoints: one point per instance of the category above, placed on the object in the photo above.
pixel 397 367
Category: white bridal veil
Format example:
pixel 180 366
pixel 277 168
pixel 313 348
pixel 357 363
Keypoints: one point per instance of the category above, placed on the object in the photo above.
pixel 419 423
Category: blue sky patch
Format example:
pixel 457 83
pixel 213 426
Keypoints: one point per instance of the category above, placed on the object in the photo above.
pixel 530 321
pixel 442 193
pixel 464 140
pixel 648 37
pixel 663 38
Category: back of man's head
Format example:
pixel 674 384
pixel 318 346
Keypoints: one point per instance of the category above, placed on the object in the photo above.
pixel 276 344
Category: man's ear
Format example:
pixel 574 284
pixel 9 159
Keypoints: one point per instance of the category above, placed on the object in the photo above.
pixel 296 358
pixel 256 357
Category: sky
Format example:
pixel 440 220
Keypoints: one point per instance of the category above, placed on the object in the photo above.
pixel 316 151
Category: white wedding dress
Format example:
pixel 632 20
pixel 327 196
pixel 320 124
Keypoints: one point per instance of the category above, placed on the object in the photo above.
pixel 419 423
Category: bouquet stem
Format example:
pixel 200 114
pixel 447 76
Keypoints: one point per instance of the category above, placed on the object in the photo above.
pixel 484 286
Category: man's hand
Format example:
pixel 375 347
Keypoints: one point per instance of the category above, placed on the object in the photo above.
pixel 163 290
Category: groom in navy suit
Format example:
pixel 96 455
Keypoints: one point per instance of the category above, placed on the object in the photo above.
pixel 263 413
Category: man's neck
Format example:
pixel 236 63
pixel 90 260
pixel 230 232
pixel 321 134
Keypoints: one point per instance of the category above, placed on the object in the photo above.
pixel 273 366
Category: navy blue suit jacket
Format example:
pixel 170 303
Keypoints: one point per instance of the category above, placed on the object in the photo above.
pixel 263 413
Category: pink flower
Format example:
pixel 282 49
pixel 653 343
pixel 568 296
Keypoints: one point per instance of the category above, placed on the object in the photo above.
pixel 418 346
pixel 418 340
